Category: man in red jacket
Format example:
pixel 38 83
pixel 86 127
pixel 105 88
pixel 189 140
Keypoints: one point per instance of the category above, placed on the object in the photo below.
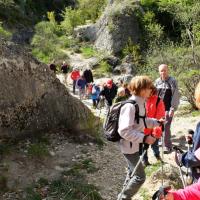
pixel 75 75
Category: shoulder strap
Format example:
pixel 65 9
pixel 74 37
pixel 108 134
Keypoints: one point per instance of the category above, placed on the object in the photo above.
pixel 137 116
pixel 157 101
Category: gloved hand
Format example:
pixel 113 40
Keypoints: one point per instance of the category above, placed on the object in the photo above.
pixel 189 136
pixel 157 132
pixel 161 193
pixel 178 157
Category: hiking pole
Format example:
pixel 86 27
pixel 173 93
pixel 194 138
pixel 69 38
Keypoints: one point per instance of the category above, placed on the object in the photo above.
pixel 177 150
pixel 162 167
pixel 189 141
pixel 133 173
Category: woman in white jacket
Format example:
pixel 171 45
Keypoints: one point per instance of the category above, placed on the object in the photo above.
pixel 132 134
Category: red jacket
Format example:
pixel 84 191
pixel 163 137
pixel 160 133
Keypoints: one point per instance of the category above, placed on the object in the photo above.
pixel 191 192
pixel 75 75
pixel 153 111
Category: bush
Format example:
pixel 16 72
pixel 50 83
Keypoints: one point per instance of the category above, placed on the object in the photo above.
pixel 88 51
pixel 4 34
pixel 189 80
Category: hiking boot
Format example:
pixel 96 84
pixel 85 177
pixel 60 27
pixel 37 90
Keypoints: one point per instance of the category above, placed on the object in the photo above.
pixel 146 163
pixel 167 150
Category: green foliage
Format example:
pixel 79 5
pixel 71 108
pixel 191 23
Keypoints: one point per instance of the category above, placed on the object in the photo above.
pixel 150 169
pixel 134 51
pixel 102 69
pixel 4 34
pixel 38 150
pixel 32 194
pixel 48 40
pixel 74 190
pixel 188 81
pixel 88 51
pixel 144 193
pixel 87 10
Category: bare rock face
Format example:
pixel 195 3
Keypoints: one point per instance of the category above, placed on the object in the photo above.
pixel 115 27
pixel 32 99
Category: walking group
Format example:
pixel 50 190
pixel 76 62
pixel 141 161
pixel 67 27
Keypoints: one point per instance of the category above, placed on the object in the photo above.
pixel 142 120
pixel 146 110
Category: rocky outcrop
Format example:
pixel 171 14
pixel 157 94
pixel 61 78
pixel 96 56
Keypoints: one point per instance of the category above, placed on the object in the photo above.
pixel 116 26
pixel 32 99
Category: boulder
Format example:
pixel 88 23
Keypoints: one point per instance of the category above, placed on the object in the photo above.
pixel 124 68
pixel 112 60
pixel 32 99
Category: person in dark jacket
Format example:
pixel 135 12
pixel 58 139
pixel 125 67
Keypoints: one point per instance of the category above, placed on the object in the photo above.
pixel 190 159
pixel 167 88
pixel 81 83
pixel 65 68
pixel 109 92
pixel 53 67
pixel 87 74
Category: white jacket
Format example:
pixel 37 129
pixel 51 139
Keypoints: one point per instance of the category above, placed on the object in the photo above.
pixel 132 133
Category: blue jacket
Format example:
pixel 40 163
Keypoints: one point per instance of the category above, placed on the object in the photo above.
pixel 81 83
pixel 95 92
pixel 189 159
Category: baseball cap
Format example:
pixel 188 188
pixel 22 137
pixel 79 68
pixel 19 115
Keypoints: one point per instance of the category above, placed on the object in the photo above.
pixel 109 82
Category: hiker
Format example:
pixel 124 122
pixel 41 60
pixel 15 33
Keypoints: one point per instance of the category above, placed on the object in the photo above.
pixel 131 131
pixel 65 68
pixel 190 159
pixel 121 95
pixel 127 92
pixel 109 91
pixel 168 91
pixel 75 75
pixel 191 192
pixel 95 94
pixel 53 67
pixel 87 74
pixel 155 108
pixel 81 84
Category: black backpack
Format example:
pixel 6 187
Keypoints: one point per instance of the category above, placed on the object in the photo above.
pixel 110 127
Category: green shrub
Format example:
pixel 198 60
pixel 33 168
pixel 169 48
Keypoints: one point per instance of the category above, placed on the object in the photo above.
pixel 88 51
pixel 189 80
pixel 4 33
pixel 38 150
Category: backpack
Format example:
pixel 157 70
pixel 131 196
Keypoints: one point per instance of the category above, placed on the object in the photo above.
pixel 110 127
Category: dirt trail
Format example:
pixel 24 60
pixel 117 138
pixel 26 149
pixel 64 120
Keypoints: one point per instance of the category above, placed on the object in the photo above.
pixel 21 170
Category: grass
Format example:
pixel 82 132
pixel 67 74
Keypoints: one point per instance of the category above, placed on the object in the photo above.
pixel 71 185
pixel 144 193
pixel 88 51
pixel 186 110
pixel 152 168
pixel 103 69
pixel 87 165
pixel 74 190
pixel 38 150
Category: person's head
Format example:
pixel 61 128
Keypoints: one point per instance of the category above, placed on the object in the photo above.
pixel 109 83
pixel 163 71
pixel 141 86
pixel 197 95
pixel 121 92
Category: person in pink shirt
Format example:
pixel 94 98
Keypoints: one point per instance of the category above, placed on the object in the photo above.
pixel 191 192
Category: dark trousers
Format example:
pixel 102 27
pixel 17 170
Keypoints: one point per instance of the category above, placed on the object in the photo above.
pixel 155 149
pixel 74 86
